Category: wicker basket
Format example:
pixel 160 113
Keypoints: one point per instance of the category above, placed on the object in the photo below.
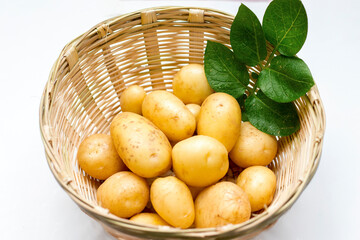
pixel 147 48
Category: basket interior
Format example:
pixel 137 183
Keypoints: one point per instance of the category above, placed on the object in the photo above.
pixel 147 48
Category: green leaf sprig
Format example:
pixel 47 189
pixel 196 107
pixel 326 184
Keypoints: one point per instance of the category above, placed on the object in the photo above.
pixel 283 77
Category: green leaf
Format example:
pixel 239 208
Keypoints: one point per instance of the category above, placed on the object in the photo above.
pixel 223 71
pixel 247 37
pixel 285 25
pixel 287 79
pixel 279 119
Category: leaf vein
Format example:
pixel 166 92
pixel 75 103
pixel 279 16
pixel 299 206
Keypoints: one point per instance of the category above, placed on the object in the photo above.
pixel 228 70
pixel 287 76
pixel 292 24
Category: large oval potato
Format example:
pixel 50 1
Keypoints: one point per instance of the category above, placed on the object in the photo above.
pixel 172 200
pixel 169 114
pixel 143 147
pixel 124 194
pixel 220 118
pixel 131 99
pixel 259 183
pixel 97 156
pixel 200 161
pixel 221 204
pixel 253 147
pixel 190 84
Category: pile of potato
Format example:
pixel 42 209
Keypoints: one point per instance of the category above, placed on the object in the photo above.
pixel 167 159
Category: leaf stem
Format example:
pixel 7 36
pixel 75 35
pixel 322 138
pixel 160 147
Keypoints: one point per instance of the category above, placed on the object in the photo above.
pixel 272 54
pixel 252 90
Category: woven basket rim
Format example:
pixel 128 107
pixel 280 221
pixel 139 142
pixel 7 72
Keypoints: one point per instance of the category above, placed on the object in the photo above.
pixel 246 227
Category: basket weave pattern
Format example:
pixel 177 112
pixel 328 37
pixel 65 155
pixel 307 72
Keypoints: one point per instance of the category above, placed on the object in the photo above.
pixel 147 48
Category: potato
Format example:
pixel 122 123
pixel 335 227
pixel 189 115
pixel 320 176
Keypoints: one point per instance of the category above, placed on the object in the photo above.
pixel 190 84
pixel 172 200
pixel 124 194
pixel 168 173
pixel 221 204
pixel 194 109
pixel 195 191
pixel 259 183
pixel 97 156
pixel 149 218
pixel 169 114
pixel 132 98
pixel 220 118
pixel 143 147
pixel 253 147
pixel 200 160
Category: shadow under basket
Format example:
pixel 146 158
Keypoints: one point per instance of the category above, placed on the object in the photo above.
pixel 147 48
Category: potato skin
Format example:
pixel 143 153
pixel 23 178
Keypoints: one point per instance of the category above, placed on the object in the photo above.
pixel 253 147
pixel 172 200
pixel 124 194
pixel 221 204
pixel 194 109
pixel 259 183
pixel 220 118
pixel 195 191
pixel 97 156
pixel 143 147
pixel 200 161
pixel 149 218
pixel 190 84
pixel 169 114
pixel 132 98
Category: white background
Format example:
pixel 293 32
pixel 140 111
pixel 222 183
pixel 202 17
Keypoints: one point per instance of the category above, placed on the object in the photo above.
pixel 32 34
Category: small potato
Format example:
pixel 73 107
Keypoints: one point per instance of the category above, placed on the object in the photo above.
pixel 259 183
pixel 200 161
pixel 194 109
pixel 132 98
pixel 220 118
pixel 253 147
pixel 97 156
pixel 221 204
pixel 168 173
pixel 143 147
pixel 124 194
pixel 190 84
pixel 169 114
pixel 149 218
pixel 195 191
pixel 172 200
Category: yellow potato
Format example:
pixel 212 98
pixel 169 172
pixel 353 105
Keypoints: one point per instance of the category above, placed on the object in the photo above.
pixel 172 200
pixel 195 191
pixel 200 161
pixel 124 194
pixel 169 114
pixel 143 147
pixel 190 84
pixel 149 218
pixel 259 183
pixel 132 98
pixel 194 109
pixel 253 147
pixel 97 156
pixel 220 118
pixel 221 204
pixel 168 173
